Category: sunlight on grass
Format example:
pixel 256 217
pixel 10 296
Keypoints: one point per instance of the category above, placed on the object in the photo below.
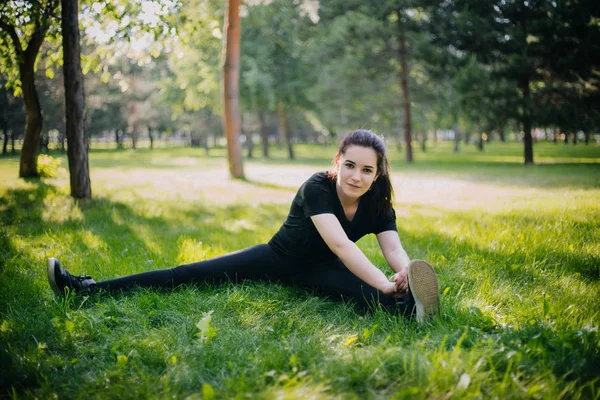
pixel 92 241
pixel 191 250
pixel 59 208
pixel 148 237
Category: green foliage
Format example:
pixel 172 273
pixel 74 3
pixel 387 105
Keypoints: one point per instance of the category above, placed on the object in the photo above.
pixel 524 44
pixel 25 20
pixel 13 116
pixel 515 249
pixel 196 59
pixel 48 166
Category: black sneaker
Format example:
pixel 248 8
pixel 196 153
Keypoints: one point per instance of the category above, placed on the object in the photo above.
pixel 60 279
pixel 424 288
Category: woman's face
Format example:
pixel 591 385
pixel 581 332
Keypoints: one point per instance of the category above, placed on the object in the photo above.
pixel 356 171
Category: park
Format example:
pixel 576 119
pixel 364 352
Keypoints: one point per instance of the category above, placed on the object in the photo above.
pixel 496 184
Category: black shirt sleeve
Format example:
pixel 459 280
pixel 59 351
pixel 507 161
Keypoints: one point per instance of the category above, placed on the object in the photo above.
pixel 315 197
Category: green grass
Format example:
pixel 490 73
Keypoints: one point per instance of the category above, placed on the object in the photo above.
pixel 516 249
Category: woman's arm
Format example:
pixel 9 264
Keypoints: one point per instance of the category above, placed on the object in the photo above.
pixel 396 257
pixel 353 258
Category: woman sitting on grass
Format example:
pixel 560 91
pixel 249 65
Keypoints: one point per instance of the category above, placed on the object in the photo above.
pixel 315 247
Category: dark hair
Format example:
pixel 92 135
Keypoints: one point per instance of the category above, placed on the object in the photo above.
pixel 381 193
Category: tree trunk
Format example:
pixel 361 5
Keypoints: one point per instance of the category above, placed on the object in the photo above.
pixel 33 124
pixel 61 140
pixel 587 137
pixel 134 134
pixel 528 140
pixel 501 134
pixel 424 141
pixel 280 140
pixel 77 141
pixel 249 145
pixel 283 132
pixel 456 140
pixel 5 144
pixel 467 137
pixel 26 62
pixel 404 85
pixel 4 127
pixel 231 76
pixel 247 135
pixel 44 143
pixel 575 137
pixel 264 134
pixel 151 137
pixel 205 144
pixel 195 139
pixel 480 141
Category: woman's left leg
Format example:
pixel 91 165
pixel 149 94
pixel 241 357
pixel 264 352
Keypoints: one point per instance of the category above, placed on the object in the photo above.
pixel 256 262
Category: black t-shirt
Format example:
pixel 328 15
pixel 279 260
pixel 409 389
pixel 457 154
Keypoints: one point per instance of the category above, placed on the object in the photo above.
pixel 298 237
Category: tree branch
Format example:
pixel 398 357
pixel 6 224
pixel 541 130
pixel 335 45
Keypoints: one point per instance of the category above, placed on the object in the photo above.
pixel 41 28
pixel 10 29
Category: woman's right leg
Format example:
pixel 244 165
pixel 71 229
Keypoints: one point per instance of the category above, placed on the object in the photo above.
pixel 257 262
pixel 335 280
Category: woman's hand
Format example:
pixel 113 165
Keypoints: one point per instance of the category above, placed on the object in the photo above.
pixel 391 289
pixel 401 280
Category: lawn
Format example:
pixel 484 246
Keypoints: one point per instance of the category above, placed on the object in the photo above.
pixel 516 249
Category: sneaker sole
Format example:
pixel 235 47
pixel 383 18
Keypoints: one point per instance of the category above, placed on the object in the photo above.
pixel 424 288
pixel 51 276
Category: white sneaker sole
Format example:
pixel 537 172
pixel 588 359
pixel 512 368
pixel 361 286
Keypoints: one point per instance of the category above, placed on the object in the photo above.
pixel 424 288
pixel 51 277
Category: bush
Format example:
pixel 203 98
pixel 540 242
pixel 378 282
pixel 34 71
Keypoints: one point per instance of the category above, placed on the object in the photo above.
pixel 48 166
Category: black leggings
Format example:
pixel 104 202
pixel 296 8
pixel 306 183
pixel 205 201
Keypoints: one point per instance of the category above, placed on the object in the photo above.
pixel 262 263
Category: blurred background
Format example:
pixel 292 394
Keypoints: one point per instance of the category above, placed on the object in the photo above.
pixel 416 71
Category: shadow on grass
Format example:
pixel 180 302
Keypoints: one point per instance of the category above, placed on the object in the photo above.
pixel 109 237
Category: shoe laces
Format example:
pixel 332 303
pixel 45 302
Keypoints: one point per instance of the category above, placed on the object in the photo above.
pixel 82 278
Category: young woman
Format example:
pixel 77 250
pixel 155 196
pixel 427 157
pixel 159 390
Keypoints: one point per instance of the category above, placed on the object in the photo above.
pixel 315 247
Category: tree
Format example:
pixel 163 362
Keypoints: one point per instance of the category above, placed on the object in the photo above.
pixel 12 117
pixel 105 106
pixel 193 87
pixel 24 26
pixel 528 43
pixel 389 27
pixel 401 23
pixel 275 75
pixel 231 75
pixel 257 85
pixel 52 102
pixel 77 140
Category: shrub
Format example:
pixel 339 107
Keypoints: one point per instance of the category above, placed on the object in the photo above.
pixel 48 166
